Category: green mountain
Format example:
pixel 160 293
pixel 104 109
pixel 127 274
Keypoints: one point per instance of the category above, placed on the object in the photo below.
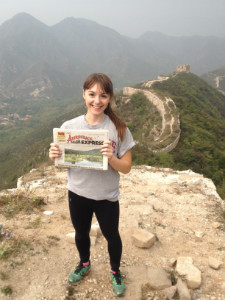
pixel 200 112
pixel 21 152
pixel 201 145
pixel 216 79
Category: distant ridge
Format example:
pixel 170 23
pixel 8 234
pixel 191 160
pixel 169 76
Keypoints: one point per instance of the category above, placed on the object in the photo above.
pixel 216 79
pixel 74 48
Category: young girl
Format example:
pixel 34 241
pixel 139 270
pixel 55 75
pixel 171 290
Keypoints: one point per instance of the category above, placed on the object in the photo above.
pixel 94 191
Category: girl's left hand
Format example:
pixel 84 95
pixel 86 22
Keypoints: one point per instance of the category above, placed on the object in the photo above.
pixel 107 149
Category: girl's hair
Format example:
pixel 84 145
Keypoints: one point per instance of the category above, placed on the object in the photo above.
pixel 106 85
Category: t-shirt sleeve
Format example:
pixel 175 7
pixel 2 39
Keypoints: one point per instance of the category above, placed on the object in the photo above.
pixel 65 125
pixel 127 144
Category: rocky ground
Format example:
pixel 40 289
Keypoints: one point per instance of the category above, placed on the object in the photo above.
pixel 181 209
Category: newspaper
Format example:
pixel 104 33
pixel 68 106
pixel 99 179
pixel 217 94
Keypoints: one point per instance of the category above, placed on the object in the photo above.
pixel 81 148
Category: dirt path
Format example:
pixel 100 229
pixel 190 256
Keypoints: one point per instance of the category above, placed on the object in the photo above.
pixel 176 207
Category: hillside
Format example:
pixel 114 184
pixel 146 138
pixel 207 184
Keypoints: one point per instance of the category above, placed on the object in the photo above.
pixel 181 209
pixel 155 123
pixel 28 148
pixel 50 62
pixel 200 110
pixel 216 79
pixel 186 133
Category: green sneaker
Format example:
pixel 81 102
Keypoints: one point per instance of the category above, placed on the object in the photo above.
pixel 80 271
pixel 117 282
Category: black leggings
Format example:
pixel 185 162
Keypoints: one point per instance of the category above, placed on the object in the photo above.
pixel 107 214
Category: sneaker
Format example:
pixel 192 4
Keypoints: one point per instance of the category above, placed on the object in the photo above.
pixel 117 282
pixel 80 271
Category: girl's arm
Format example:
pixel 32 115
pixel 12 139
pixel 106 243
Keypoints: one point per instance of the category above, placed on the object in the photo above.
pixel 122 164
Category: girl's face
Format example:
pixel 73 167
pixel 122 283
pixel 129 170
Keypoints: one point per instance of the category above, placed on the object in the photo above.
pixel 96 100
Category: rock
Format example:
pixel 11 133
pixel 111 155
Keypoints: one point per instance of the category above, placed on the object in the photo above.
pixel 216 225
pixel 183 291
pixel 143 238
pixel 199 234
pixel 71 237
pixel 182 261
pixel 158 278
pixel 186 269
pixel 185 207
pixel 223 287
pixel 20 182
pixel 46 220
pixel 193 277
pixel 172 262
pixel 170 292
pixel 134 289
pixel 48 212
pixel 93 240
pixel 214 263
pixel 95 230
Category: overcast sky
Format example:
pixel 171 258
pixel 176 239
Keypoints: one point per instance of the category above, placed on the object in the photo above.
pixel 129 17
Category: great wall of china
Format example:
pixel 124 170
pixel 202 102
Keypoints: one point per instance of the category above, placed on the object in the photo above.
pixel 170 130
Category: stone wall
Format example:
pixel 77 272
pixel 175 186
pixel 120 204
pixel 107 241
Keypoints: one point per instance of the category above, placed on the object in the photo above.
pixel 183 68
pixel 163 107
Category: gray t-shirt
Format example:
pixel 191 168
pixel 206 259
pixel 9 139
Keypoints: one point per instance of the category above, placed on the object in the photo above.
pixel 98 184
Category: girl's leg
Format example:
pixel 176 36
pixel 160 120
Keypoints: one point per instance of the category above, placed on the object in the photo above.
pixel 81 212
pixel 107 214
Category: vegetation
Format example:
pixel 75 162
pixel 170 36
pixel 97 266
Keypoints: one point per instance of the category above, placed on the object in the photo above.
pixel 216 77
pixel 7 290
pixel 12 205
pixel 24 147
pixel 38 112
pixel 202 142
pixel 201 146
pixel 141 116
pixel 11 246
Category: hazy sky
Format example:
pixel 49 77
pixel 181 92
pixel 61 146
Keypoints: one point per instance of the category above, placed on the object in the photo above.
pixel 129 17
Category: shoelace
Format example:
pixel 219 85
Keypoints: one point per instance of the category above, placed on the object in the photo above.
pixel 79 268
pixel 117 277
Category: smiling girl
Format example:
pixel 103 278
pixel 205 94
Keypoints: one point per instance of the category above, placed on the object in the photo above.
pixel 93 191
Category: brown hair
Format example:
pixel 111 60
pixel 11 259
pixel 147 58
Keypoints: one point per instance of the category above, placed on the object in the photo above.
pixel 106 84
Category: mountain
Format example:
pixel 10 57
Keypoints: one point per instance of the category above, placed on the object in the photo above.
pixel 33 63
pixel 202 53
pixel 198 138
pixel 216 78
pixel 201 147
pixel 48 62
pixel 193 123
pixel 94 47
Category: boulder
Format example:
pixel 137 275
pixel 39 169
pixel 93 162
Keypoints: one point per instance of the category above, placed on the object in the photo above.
pixel 183 291
pixel 158 278
pixel 214 263
pixel 143 238
pixel 186 269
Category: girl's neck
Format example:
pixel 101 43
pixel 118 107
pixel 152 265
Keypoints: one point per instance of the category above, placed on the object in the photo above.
pixel 94 120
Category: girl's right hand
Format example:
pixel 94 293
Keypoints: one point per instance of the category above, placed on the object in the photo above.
pixel 54 151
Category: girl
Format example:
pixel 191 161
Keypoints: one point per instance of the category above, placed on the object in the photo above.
pixel 94 191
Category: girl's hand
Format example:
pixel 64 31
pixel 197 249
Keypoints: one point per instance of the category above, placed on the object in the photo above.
pixel 54 151
pixel 122 164
pixel 107 150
